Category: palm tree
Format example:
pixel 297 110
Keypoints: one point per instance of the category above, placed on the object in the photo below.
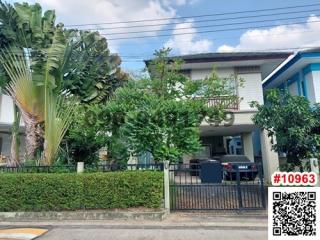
pixel 27 96
pixel 24 27
pixel 38 101
pixel 8 36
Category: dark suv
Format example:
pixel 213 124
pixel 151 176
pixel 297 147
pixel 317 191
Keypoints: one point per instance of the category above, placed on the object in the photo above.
pixel 248 170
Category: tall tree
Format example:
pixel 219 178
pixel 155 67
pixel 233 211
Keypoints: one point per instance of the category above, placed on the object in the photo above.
pixel 33 91
pixel 162 114
pixel 292 123
pixel 9 36
pixel 38 102
pixel 59 62
pixel 26 95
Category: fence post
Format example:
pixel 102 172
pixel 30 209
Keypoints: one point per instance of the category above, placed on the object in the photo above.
pixel 262 193
pixel 239 187
pixel 315 168
pixel 166 186
pixel 80 167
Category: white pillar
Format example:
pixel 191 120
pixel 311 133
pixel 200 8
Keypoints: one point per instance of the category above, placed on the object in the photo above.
pixel 166 186
pixel 132 159
pixel 80 167
pixel 314 163
pixel 270 158
pixel 248 145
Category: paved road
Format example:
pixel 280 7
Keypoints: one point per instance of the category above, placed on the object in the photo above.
pixel 184 226
pixel 82 233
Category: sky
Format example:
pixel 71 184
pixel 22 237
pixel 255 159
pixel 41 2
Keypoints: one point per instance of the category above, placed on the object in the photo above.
pixel 180 25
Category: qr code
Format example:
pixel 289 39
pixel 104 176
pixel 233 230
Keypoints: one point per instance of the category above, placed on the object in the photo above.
pixel 294 213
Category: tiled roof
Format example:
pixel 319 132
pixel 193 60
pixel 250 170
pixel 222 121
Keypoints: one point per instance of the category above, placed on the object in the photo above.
pixel 232 56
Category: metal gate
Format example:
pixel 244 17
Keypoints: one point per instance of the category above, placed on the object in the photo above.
pixel 239 190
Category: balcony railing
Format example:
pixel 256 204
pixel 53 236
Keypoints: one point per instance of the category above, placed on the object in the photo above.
pixel 227 102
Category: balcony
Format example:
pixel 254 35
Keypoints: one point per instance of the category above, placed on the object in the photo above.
pixel 227 102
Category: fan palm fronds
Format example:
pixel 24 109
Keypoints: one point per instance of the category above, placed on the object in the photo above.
pixel 58 120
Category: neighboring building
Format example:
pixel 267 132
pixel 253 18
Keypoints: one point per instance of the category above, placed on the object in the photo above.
pixel 299 74
pixel 242 137
pixel 6 120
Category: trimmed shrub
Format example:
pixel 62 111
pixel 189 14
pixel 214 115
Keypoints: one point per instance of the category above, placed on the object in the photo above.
pixel 56 192
pixel 123 189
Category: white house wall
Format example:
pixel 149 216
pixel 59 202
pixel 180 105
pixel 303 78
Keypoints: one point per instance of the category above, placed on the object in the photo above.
pixel 197 74
pixel 251 90
pixel 6 110
pixel 316 85
pixel 310 87
pixel 6 120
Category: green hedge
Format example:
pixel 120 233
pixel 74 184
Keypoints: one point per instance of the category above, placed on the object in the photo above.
pixel 56 192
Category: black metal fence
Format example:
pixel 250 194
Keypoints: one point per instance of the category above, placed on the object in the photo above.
pixel 87 168
pixel 238 189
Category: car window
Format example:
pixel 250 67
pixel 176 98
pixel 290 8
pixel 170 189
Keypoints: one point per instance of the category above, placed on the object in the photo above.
pixel 234 158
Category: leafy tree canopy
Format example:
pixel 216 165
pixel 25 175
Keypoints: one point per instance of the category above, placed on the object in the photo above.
pixel 89 133
pixel 81 63
pixel 91 72
pixel 292 123
pixel 63 63
pixel 162 114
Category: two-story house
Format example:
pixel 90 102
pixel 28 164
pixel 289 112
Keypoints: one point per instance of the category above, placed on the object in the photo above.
pixel 240 136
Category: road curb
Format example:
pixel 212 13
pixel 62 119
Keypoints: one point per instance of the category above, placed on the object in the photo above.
pixel 142 226
pixel 82 215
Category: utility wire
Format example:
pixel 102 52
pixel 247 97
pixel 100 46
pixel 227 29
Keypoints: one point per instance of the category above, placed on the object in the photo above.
pixel 145 55
pixel 208 31
pixel 197 21
pixel 220 38
pixel 196 16
pixel 206 26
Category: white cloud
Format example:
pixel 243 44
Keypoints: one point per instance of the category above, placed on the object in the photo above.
pixel 226 48
pixel 184 2
pixel 280 37
pixel 100 11
pixel 187 44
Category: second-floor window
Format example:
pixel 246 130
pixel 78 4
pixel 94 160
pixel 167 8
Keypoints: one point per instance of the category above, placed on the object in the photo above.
pixel 231 85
